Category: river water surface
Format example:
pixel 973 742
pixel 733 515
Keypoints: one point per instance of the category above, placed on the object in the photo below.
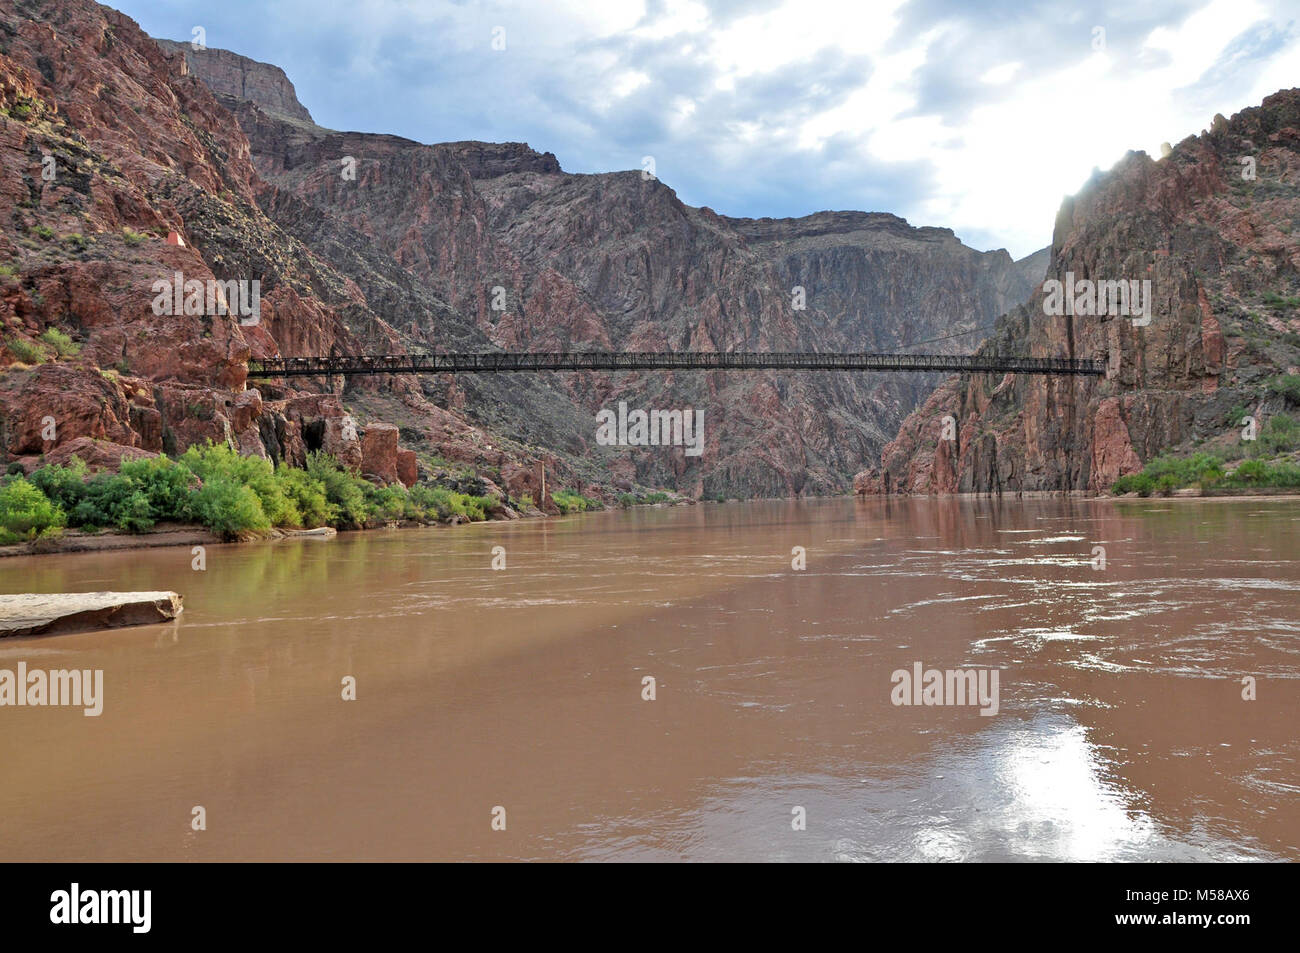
pixel 1121 731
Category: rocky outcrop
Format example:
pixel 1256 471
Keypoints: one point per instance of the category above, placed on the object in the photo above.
pixel 229 74
pixel 487 160
pixel 1222 257
pixel 408 468
pixel 339 437
pixel 531 482
pixel 379 453
pixel 57 613
pixel 96 454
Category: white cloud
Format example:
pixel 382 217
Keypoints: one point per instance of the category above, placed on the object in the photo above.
pixel 1001 74
pixel 1003 167
pixel 682 16
pixel 977 124
pixel 629 82
pixel 768 41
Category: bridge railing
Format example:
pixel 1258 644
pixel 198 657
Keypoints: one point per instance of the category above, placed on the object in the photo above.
pixel 502 361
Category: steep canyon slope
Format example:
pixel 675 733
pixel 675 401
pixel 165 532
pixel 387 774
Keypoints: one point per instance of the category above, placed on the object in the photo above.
pixel 617 262
pixel 1215 228
pixel 112 142
pixel 120 171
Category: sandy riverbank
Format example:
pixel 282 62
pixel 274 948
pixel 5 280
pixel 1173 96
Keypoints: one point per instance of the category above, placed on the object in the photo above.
pixel 177 534
pixel 165 534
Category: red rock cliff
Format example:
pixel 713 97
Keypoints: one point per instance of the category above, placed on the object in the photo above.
pixel 1222 255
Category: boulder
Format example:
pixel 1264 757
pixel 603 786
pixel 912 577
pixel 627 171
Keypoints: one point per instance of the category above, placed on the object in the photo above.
pixel 339 437
pixel 408 470
pixel 379 453
pixel 873 482
pixel 55 613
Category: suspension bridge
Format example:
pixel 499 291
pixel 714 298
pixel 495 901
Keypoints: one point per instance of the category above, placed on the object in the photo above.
pixel 506 361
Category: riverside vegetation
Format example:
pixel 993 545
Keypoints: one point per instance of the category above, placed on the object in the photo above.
pixel 1270 459
pixel 231 495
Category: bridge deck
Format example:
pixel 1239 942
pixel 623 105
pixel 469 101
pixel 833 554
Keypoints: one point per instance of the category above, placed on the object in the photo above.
pixel 493 361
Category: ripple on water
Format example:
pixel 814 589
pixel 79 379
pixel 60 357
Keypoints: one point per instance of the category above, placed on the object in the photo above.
pixel 945 599
pixel 1050 539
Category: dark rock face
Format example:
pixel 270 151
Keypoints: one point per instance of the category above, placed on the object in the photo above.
pixel 1223 259
pixel 487 160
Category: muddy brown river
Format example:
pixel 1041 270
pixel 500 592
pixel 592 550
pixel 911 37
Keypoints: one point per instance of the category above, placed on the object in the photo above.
pixel 518 698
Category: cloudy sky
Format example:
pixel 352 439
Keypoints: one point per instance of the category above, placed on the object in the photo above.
pixel 978 116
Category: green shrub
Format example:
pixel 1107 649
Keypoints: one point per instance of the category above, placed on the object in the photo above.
pixel 26 512
pixel 227 508
pixel 344 491
pixel 308 495
pixel 1183 470
pixel 1210 476
pixel 232 495
pixel 44 232
pixel 1167 484
pixel 626 499
pixel 166 484
pixel 386 502
pixel 1280 434
pixel 1140 483
pixel 132 500
pixel 132 238
pixel 1284 474
pixel 219 461
pixel 1165 474
pixel 416 509
pixel 64 485
pixel 1274 300
pixel 570 502
pixel 1258 473
pixel 1287 386
pixel 27 351
pixel 438 501
pixel 476 507
pixel 63 345
pixel 113 500
pixel 1249 473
